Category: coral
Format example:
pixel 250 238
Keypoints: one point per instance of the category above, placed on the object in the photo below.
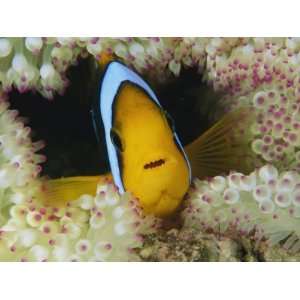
pixel 263 205
pixel 188 244
pixel 192 245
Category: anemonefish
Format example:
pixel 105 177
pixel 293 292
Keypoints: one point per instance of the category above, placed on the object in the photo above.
pixel 145 154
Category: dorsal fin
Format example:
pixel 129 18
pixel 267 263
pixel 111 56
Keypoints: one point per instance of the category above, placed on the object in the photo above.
pixel 105 58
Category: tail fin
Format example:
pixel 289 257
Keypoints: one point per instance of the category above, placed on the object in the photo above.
pixel 224 147
pixel 57 192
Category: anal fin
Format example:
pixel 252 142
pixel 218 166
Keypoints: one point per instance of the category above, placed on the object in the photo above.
pixel 58 192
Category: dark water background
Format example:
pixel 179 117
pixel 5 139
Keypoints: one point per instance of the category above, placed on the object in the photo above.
pixel 65 123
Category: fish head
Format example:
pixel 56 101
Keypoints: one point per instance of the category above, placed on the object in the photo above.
pixel 153 166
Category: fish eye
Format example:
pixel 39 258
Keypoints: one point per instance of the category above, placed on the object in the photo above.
pixel 170 121
pixel 116 140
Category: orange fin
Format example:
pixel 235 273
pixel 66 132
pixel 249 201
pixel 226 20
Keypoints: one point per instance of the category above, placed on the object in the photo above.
pixel 105 58
pixel 224 147
pixel 58 192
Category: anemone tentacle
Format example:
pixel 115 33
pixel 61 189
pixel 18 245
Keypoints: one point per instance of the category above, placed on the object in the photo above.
pixel 264 205
pixel 258 72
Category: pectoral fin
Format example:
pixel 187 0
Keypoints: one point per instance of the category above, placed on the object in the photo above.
pixel 224 147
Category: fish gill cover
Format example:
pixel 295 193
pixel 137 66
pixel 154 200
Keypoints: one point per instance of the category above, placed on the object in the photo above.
pixel 263 205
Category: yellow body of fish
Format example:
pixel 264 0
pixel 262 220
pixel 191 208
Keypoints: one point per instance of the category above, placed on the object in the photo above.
pixel 152 166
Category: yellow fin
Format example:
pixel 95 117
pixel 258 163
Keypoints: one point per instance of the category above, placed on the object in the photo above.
pixel 105 58
pixel 224 147
pixel 58 192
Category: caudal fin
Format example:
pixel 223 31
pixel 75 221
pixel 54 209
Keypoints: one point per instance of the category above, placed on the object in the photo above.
pixel 224 147
pixel 58 192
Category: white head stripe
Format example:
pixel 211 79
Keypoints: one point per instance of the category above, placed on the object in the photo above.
pixel 116 73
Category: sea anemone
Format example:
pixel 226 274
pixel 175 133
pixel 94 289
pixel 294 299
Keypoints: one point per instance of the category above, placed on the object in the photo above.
pixel 40 64
pixel 18 158
pixel 264 205
pixel 263 73
pixel 105 227
pixel 36 64
pixel 258 72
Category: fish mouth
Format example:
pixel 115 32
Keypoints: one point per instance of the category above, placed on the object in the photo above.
pixel 154 164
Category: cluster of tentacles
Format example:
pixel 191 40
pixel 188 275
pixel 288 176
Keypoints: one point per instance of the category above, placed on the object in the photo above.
pixel 257 72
